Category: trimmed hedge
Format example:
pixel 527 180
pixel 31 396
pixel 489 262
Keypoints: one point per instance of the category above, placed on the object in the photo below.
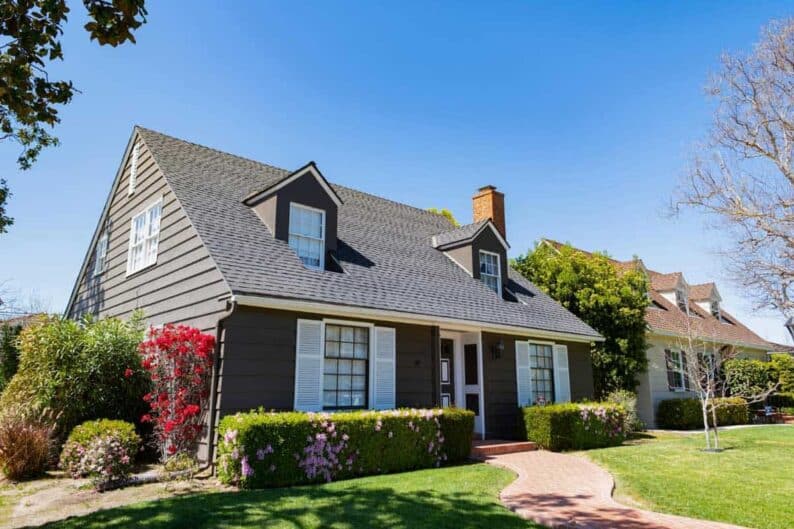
pixel 686 414
pixel 83 435
pixel 575 426
pixel 784 363
pixel 272 449
pixel 781 400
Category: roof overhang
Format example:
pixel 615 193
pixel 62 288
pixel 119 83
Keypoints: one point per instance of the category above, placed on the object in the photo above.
pixel 310 168
pixel 468 240
pixel 351 311
pixel 670 334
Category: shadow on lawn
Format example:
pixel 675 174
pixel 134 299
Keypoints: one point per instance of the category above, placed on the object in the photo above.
pixel 307 507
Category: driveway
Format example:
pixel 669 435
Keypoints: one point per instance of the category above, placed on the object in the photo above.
pixel 569 491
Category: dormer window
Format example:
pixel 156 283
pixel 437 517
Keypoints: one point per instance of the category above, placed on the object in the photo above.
pixel 715 310
pixel 490 270
pixel 307 234
pixel 681 300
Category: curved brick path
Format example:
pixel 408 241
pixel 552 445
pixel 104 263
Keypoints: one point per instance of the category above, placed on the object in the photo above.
pixel 567 491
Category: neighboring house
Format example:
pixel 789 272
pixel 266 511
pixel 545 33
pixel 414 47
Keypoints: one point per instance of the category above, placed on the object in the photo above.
pixel 676 306
pixel 324 297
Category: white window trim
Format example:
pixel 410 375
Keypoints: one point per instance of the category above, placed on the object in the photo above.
pixel 681 370
pixel 370 359
pixel 322 231
pixel 529 358
pixel 133 170
pixel 101 251
pixel 498 269
pixel 145 212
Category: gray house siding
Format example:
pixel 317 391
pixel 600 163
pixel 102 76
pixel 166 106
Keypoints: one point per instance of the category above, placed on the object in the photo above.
pixel 182 287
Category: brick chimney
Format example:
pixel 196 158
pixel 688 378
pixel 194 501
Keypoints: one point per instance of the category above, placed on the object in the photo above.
pixel 488 203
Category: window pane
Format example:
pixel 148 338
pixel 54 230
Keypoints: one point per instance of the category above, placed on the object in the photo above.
pixel 359 383
pixel 332 332
pixel 329 399
pixel 359 368
pixel 345 367
pixel 344 398
pixel 361 335
pixel 345 382
pixel 330 366
pixel 359 398
pixel 361 350
pixel 348 334
pixel 332 349
pixel 329 382
pixel 347 350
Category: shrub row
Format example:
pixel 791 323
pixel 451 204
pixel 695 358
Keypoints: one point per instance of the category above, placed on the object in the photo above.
pixel 686 414
pixel 267 449
pixel 575 426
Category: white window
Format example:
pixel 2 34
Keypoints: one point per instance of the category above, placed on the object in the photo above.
pixel 101 254
pixel 144 238
pixel 133 170
pixel 307 234
pixel 676 370
pixel 541 365
pixel 490 270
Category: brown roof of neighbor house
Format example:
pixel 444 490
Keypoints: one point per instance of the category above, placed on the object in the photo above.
pixel 666 317
pixel 23 320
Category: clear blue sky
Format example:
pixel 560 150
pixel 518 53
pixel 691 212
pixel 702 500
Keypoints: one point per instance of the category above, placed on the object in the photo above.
pixel 583 113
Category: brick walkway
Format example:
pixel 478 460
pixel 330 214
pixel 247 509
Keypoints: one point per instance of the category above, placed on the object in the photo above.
pixel 567 491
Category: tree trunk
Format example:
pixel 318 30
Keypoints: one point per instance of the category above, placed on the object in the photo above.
pixel 704 407
pixel 716 428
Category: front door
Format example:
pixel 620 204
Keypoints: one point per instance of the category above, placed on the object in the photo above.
pixel 447 372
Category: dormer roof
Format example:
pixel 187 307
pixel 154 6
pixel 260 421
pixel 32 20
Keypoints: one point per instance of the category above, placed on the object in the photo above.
pixel 310 168
pixel 704 292
pixel 464 235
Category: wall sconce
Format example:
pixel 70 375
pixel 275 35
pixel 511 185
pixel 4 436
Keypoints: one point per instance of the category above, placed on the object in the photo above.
pixel 497 349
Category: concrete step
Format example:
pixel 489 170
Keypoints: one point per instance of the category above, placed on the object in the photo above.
pixel 485 449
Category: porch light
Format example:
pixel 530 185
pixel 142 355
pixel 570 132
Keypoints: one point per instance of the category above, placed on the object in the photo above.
pixel 790 326
pixel 497 349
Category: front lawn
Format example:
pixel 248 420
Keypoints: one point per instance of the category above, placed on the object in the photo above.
pixel 751 483
pixel 456 497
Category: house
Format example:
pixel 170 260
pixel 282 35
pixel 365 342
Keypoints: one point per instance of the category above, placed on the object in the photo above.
pixel 324 297
pixel 676 310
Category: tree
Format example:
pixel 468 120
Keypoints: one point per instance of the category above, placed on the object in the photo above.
pixel 444 212
pixel 705 365
pixel 29 99
pixel 9 353
pixel 5 220
pixel 611 302
pixel 742 177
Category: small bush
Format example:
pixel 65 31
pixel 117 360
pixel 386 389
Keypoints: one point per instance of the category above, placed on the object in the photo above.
pixel 627 400
pixel 781 400
pixel 686 414
pixel 259 449
pixel 84 435
pixel 572 426
pixel 26 443
pixel 784 363
pixel 105 460
pixel 79 370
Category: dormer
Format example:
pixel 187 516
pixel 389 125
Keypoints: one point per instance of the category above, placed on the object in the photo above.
pixel 301 209
pixel 480 248
pixel 673 288
pixel 707 298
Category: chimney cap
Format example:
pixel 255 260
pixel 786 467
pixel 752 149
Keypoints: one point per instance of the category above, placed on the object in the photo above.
pixel 488 187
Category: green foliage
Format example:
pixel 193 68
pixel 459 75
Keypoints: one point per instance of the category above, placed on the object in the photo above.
pixel 784 363
pixel 444 212
pixel 610 302
pixel 571 426
pixel 750 377
pixel 26 441
pixel 781 400
pixel 80 370
pixel 5 220
pixel 687 414
pixel 9 352
pixel 83 435
pixel 628 401
pixel 259 449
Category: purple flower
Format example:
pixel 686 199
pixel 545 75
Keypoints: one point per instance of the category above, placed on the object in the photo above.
pixel 248 470
pixel 230 436
pixel 260 454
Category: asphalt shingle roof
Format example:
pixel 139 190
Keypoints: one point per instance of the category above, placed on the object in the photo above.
pixel 459 234
pixel 384 248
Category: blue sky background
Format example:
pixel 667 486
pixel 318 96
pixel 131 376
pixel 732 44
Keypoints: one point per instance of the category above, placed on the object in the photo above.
pixel 582 113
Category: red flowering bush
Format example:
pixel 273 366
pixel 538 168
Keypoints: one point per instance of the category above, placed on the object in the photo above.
pixel 179 360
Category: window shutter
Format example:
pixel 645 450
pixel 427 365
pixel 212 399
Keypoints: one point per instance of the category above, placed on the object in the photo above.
pixel 523 374
pixel 562 377
pixel 668 360
pixel 309 366
pixel 384 369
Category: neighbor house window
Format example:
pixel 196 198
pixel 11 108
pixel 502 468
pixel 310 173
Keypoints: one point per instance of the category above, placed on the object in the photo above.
pixel 541 364
pixel 676 370
pixel 489 270
pixel 307 234
pixel 101 254
pixel 133 170
pixel 346 367
pixel 144 238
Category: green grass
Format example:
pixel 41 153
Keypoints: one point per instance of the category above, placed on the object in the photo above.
pixel 455 497
pixel 751 483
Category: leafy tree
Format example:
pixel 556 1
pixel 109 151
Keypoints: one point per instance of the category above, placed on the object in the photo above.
pixel 31 31
pixel 444 212
pixel 611 302
pixel 9 353
pixel 5 220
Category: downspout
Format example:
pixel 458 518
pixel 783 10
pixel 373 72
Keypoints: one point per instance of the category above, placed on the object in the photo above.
pixel 231 305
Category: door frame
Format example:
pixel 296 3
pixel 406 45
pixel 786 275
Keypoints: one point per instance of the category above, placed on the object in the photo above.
pixel 459 340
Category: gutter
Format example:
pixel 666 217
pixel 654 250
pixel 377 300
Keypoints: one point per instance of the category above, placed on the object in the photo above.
pixel 231 306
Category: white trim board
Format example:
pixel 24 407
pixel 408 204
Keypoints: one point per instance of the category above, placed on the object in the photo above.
pixel 316 307
pixel 310 168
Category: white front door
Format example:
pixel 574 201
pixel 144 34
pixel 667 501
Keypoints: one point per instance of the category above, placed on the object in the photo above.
pixel 467 370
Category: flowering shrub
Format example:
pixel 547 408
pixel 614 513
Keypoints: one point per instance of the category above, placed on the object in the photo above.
pixel 575 426
pixel 105 460
pixel 179 360
pixel 260 449
pixel 84 435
